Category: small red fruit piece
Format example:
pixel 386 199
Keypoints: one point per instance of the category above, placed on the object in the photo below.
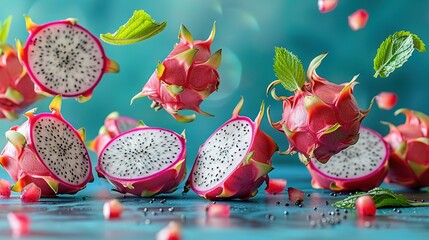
pixel 365 206
pixel 276 186
pixel 169 232
pixel 19 223
pixel 386 100
pixel 327 5
pixel 296 196
pixel 31 193
pixel 358 19
pixel 218 210
pixel 112 209
pixel 4 188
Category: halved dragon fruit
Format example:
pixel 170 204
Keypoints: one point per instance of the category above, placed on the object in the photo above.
pixel 63 58
pixel 234 161
pixel 47 151
pixel 144 161
pixel 409 158
pixel 321 118
pixel 16 87
pixel 114 124
pixel 185 78
pixel 360 167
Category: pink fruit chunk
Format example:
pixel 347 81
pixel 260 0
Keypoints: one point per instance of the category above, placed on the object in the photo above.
pixel 19 223
pixel 234 161
pixel 296 196
pixel 47 151
pixel 170 232
pixel 360 167
pixel 63 58
pixel 386 100
pixel 358 19
pixel 144 161
pixel 365 206
pixel 31 193
pixel 185 78
pixel 276 186
pixel 327 5
pixel 321 118
pixel 112 209
pixel 4 188
pixel 409 158
pixel 218 210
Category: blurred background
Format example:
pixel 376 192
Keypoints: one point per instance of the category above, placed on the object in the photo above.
pixel 247 31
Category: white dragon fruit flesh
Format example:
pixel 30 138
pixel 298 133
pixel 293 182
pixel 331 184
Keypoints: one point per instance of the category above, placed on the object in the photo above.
pixel 47 151
pixel 185 78
pixel 144 161
pixel 360 167
pixel 234 161
pixel 63 58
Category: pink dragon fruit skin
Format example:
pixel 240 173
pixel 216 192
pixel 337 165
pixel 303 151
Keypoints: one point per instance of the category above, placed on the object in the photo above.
pixel 22 159
pixel 245 179
pixel 322 118
pixel 185 78
pixel 409 157
pixel 78 86
pixel 163 181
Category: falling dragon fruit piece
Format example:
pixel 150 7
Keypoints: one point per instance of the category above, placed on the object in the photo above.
pixel 185 78
pixel 63 58
pixel 31 193
pixel 4 188
pixel 16 88
pixel 386 100
pixel 409 161
pixel 112 209
pixel 114 124
pixel 360 167
pixel 48 151
pixel 327 5
pixel 234 161
pixel 144 161
pixel 321 118
pixel 358 19
pixel 276 186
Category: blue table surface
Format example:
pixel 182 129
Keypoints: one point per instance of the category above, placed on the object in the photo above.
pixel 80 216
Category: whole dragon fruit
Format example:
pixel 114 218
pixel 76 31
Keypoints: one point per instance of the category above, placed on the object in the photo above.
pixel 114 124
pixel 360 167
pixel 144 161
pixel 63 58
pixel 409 158
pixel 234 161
pixel 16 87
pixel 322 118
pixel 47 151
pixel 185 78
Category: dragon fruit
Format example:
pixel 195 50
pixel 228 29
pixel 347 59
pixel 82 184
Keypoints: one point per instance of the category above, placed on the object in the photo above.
pixel 360 167
pixel 322 118
pixel 114 124
pixel 185 78
pixel 234 161
pixel 144 161
pixel 48 151
pixel 16 87
pixel 409 158
pixel 63 58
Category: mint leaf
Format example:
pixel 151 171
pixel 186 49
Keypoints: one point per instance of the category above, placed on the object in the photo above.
pixel 395 51
pixel 4 29
pixel 139 27
pixel 382 198
pixel 288 69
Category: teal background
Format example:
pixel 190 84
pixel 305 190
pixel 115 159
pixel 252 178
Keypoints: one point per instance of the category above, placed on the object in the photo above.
pixel 247 31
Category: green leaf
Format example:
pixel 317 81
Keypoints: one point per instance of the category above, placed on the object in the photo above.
pixel 382 198
pixel 288 69
pixel 395 51
pixel 139 27
pixel 4 29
